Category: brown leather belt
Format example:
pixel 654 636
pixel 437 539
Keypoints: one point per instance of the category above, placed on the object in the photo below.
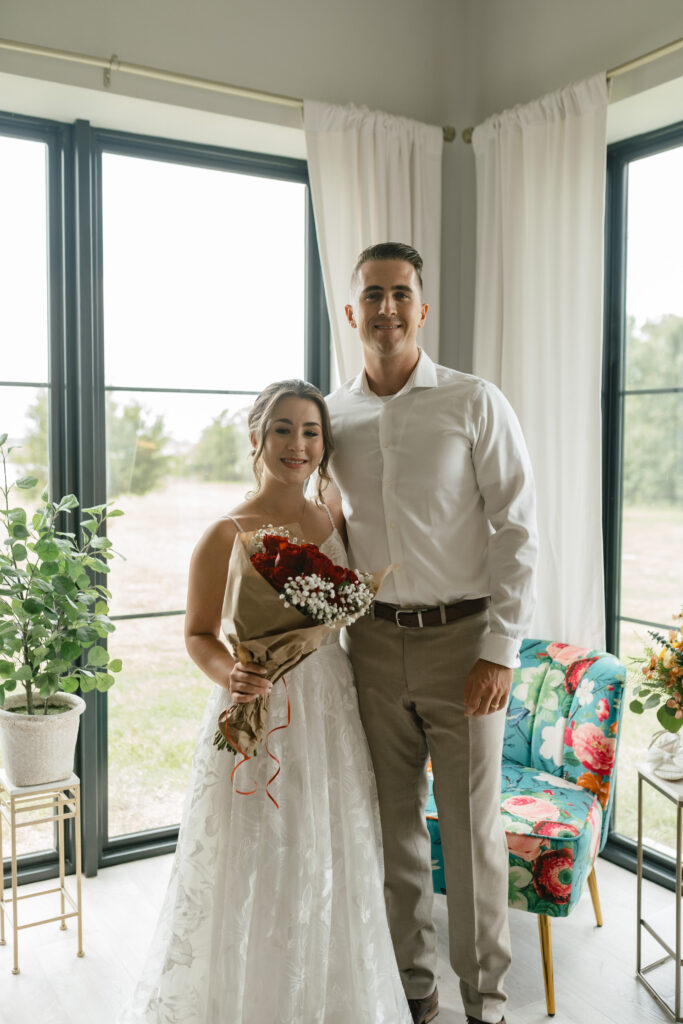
pixel 417 618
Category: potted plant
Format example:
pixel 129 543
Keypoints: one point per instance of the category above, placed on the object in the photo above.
pixel 53 618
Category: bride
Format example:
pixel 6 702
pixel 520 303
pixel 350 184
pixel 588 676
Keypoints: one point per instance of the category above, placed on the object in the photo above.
pixel 275 914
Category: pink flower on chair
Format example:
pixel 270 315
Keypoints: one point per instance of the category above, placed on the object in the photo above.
pixel 526 847
pixel 565 654
pixel 602 709
pixel 553 875
pixel 593 749
pixel 531 808
pixel 556 829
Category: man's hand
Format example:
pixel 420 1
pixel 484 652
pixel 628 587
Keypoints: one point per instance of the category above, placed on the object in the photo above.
pixel 488 688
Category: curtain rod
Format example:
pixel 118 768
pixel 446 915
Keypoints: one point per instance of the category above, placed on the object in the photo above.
pixel 621 69
pixel 114 64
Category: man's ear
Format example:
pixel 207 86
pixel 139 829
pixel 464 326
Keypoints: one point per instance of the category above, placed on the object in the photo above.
pixel 349 315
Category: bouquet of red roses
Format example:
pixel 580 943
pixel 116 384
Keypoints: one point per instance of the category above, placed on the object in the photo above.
pixel 282 598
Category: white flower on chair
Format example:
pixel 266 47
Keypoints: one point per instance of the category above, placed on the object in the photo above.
pixel 552 748
pixel 585 691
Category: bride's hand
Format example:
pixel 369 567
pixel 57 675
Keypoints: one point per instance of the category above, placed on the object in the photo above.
pixel 246 682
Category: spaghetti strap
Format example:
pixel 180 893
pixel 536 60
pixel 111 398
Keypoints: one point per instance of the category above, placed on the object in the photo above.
pixel 233 521
pixel 329 516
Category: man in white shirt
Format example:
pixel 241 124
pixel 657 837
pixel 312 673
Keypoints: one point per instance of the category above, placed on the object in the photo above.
pixel 435 478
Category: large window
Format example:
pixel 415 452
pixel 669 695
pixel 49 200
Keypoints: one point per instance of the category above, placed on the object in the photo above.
pixel 24 375
pixel 187 280
pixel 644 431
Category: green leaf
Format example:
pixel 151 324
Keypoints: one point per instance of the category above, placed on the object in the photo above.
pixel 47 550
pixel 89 525
pixel 19 552
pixel 19 531
pixel 69 684
pixel 63 585
pixel 100 543
pixel 69 501
pixel 115 665
pixel 3 439
pixel 33 606
pixel 16 515
pixel 115 512
pixel 104 681
pixel 86 635
pixel 70 650
pixel 87 684
pixel 27 482
pixel 652 702
pixel 667 719
pixel 6 668
pixel 636 707
pixel 98 656
pixel 23 673
pixel 101 608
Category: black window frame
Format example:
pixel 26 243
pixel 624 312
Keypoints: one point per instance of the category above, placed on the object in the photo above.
pixel 77 390
pixel 620 849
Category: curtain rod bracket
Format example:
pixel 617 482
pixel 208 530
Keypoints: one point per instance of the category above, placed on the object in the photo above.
pixel 113 65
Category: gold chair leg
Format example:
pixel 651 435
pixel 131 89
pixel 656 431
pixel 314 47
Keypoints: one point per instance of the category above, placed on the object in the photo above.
pixel 595 896
pixel 547 958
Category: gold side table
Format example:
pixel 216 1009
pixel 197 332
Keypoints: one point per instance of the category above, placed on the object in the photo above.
pixel 673 791
pixel 60 801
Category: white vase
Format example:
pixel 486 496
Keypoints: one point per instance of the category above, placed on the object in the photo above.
pixel 37 749
pixel 664 755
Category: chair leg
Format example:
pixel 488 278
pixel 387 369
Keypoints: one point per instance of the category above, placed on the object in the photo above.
pixel 593 886
pixel 547 958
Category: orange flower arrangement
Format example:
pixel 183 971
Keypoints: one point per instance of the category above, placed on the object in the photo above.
pixel 662 685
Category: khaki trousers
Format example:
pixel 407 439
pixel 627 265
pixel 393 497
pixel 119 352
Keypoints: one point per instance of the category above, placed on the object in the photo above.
pixel 411 686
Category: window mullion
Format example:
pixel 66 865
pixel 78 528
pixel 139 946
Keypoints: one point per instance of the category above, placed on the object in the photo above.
pixel 90 473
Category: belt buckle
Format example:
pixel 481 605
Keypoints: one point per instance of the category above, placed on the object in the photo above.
pixel 408 611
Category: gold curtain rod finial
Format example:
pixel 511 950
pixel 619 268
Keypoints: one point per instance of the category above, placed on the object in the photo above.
pixel 448 133
pixel 466 135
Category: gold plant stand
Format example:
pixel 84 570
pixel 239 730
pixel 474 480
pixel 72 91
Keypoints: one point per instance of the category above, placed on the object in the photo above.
pixel 60 801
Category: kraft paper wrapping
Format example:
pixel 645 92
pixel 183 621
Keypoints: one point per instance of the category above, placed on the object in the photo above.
pixel 266 632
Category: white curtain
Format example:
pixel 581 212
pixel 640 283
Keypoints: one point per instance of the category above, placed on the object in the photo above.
pixel 374 178
pixel 540 172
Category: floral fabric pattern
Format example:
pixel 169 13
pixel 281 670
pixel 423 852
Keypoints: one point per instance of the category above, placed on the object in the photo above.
pixel 559 753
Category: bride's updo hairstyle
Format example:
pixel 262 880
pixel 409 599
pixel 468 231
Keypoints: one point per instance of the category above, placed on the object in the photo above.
pixel 262 414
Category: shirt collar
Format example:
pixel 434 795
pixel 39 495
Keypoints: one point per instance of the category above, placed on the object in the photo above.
pixel 423 376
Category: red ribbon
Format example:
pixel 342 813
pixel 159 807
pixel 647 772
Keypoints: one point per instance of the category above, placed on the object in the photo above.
pixel 274 758
pixel 246 757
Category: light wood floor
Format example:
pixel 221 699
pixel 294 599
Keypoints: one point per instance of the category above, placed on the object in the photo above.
pixel 594 967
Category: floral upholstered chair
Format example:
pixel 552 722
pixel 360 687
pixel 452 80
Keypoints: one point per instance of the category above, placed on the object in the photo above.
pixel 559 755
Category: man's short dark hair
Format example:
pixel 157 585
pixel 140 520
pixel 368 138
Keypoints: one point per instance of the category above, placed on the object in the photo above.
pixel 388 251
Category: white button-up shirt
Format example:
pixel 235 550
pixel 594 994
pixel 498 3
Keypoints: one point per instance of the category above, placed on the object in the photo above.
pixel 436 479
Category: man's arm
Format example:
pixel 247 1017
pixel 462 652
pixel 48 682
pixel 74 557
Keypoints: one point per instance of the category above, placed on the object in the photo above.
pixel 505 480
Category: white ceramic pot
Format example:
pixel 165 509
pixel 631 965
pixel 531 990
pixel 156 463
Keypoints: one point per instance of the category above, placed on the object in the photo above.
pixel 38 749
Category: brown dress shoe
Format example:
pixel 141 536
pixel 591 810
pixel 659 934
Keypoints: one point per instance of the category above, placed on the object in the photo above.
pixel 475 1020
pixel 424 1010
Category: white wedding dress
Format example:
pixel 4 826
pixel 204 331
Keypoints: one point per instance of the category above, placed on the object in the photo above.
pixel 276 915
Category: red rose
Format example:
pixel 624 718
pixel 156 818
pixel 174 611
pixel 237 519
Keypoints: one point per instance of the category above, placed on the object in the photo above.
pixel 552 875
pixel 277 576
